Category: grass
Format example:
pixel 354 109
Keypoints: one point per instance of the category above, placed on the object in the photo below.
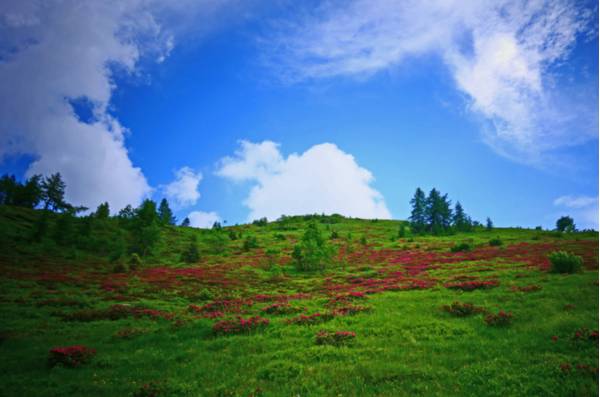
pixel 406 344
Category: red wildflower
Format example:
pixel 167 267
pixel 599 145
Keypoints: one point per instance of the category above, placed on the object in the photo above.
pixel 70 356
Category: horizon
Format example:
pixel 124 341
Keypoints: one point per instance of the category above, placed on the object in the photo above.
pixel 235 112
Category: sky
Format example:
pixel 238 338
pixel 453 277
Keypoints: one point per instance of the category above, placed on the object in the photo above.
pixel 236 110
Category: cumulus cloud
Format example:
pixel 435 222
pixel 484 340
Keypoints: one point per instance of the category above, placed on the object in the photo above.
pixel 183 191
pixel 501 54
pixel 56 53
pixel 584 209
pixel 203 219
pixel 324 179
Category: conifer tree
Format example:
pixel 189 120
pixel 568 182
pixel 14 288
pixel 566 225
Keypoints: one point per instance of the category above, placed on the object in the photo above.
pixel 185 222
pixel 418 220
pixel 53 188
pixel 165 215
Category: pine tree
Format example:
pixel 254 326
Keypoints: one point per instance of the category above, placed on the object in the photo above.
pixel 185 222
pixel 29 195
pixel 103 211
pixel 460 220
pixel 145 227
pixel 418 221
pixel 488 224
pixel 165 215
pixel 53 188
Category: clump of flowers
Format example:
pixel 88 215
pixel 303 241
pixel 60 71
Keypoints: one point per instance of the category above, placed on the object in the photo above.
pixel 350 310
pixel 460 309
pixel 502 319
pixel 315 318
pixel 280 308
pixel 334 338
pixel 472 285
pixel 70 356
pixel 583 334
pixel 239 325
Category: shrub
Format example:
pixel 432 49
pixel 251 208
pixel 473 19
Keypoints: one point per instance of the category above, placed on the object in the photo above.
pixel 315 318
pixel 280 308
pixel 70 356
pixel 502 319
pixel 239 326
pixel 135 261
pixel 250 243
pixel 472 285
pixel 459 309
pixel 564 262
pixel 334 235
pixel 461 247
pixel 191 253
pixel 334 338
pixel 496 242
pixel 313 252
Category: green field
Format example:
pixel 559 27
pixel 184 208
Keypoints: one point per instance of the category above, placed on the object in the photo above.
pixel 153 327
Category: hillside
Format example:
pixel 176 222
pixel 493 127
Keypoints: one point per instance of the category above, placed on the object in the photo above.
pixel 242 319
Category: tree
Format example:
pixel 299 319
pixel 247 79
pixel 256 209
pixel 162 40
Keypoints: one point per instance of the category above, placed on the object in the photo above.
pixel 186 222
pixel 165 215
pixel 217 225
pixel 460 219
pixel 565 224
pixel 438 212
pixel 191 253
pixel 418 220
pixel 26 195
pixel 53 193
pixel 313 252
pixel 145 227
pixel 8 189
pixel 64 229
pixel 103 211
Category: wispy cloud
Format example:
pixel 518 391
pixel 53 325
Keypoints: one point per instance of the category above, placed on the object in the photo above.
pixel 183 191
pixel 501 54
pixel 324 179
pixel 584 209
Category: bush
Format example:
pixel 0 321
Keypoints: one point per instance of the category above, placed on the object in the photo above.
pixel 564 262
pixel 461 247
pixel 334 338
pixel 70 356
pixel 191 253
pixel 135 261
pixel 459 309
pixel 250 243
pixel 496 242
pixel 239 326
pixel 502 319
pixel 313 252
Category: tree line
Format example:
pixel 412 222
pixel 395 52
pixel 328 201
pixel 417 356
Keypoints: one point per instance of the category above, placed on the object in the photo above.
pixel 433 214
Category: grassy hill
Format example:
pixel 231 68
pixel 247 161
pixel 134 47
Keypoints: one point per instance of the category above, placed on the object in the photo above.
pixel 242 320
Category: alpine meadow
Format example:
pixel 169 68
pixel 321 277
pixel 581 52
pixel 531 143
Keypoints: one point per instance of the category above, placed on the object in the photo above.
pixel 280 198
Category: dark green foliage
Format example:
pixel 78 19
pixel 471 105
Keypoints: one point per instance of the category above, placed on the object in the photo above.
pixel 191 253
pixel 53 196
pixel 250 242
pixel 565 224
pixel 496 242
pixel 217 241
pixel 363 240
pixel 126 214
pixel 135 261
pixel 40 227
pixel 438 213
pixel 461 247
pixel 313 252
pixel 26 195
pixel 103 211
pixel 217 226
pixel 64 229
pixel 261 222
pixel 145 228
pixel 418 215
pixel 165 215
pixel 488 224
pixel 402 231
pixel 232 235
pixel 279 237
pixel 185 222
pixel 461 221
pixel 334 235
pixel 565 262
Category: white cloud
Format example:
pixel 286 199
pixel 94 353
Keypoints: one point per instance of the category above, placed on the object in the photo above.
pixel 500 54
pixel 584 210
pixel 323 179
pixel 54 52
pixel 183 191
pixel 203 219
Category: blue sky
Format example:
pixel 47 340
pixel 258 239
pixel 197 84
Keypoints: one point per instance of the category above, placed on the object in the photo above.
pixel 500 117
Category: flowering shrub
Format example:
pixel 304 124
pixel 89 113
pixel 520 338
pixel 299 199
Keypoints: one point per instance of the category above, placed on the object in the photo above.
pixel 350 310
pixel 502 319
pixel 310 319
pixel 472 285
pixel 335 338
pixel 564 262
pixel 240 325
pixel 70 356
pixel 461 247
pixel 583 334
pixel 280 308
pixel 459 309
